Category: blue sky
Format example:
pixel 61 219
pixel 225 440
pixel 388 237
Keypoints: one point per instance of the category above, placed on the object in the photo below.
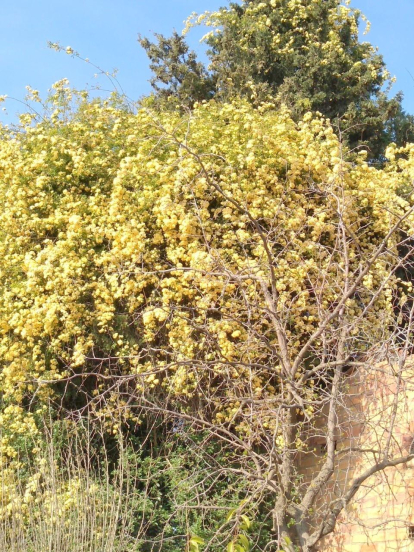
pixel 106 32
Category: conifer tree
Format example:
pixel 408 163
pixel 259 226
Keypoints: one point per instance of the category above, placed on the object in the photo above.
pixel 304 54
pixel 176 70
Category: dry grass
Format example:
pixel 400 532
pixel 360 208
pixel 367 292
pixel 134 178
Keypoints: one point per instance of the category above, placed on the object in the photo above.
pixel 71 498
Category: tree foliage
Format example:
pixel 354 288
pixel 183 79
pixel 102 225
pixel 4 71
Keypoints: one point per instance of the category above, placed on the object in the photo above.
pixel 306 55
pixel 176 70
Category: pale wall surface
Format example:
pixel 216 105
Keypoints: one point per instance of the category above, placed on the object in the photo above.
pixel 377 408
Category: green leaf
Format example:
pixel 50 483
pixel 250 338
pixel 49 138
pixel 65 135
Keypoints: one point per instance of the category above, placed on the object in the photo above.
pixel 246 521
pixel 231 514
pixel 196 539
pixel 230 547
pixel 244 541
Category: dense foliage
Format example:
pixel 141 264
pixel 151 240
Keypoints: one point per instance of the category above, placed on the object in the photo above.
pixel 177 72
pixel 306 55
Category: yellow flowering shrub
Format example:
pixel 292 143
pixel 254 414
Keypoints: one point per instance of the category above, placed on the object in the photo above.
pixel 137 250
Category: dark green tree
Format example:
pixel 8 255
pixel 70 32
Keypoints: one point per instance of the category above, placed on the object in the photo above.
pixel 177 73
pixel 305 54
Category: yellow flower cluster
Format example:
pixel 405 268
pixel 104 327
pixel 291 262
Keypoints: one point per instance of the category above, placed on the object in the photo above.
pixel 137 244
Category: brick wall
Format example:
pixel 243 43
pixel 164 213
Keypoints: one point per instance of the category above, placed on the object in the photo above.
pixel 377 408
